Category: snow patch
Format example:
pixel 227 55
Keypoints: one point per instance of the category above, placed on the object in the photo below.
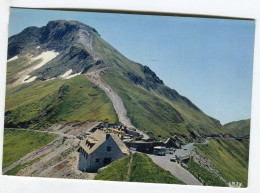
pixel 73 75
pixel 49 79
pixel 28 79
pixel 37 47
pixel 67 75
pixel 24 76
pixel 13 58
pixel 46 57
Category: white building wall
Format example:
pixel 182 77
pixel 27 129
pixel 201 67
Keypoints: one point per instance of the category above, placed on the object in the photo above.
pixel 90 163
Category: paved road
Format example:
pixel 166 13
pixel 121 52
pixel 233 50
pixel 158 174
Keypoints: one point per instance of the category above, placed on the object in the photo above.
pixel 175 169
pixel 184 151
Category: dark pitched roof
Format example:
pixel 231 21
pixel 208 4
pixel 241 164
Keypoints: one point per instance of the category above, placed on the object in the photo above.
pixel 96 139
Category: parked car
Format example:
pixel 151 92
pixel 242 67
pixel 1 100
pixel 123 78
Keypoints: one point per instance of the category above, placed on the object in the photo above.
pixel 174 158
pixel 159 150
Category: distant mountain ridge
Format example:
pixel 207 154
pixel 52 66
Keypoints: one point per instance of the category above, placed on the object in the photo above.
pixel 151 105
pixel 238 128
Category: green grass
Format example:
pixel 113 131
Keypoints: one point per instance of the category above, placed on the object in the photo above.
pixel 142 169
pixel 151 105
pixel 115 171
pixel 230 158
pixel 18 143
pixel 146 110
pixel 205 176
pixel 111 56
pixel 85 102
pixel 152 111
pixel 160 110
pixel 44 103
pixel 237 128
pixel 16 66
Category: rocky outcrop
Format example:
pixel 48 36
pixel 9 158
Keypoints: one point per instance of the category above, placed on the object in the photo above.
pixel 206 163
pixel 134 78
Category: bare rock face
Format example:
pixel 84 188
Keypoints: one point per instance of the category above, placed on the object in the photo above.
pixel 86 39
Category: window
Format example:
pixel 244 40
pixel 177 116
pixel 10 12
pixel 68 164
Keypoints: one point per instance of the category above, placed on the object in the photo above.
pixel 107 161
pixel 97 160
pixel 109 148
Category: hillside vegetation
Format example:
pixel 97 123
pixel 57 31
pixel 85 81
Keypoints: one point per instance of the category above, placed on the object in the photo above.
pixel 205 176
pixel 153 112
pixel 238 128
pixel 136 167
pixel 230 158
pixel 150 104
pixel 44 103
pixel 18 143
pixel 147 111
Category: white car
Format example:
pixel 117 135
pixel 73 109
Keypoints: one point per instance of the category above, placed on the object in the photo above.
pixel 174 158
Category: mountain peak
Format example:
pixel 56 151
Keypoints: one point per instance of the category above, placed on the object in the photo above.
pixel 65 49
pixel 70 23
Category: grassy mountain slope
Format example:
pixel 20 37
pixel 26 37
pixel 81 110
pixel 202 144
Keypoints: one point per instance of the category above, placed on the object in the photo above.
pixel 18 143
pixel 230 158
pixel 147 111
pixel 72 100
pixel 151 105
pixel 206 177
pixel 16 66
pixel 39 103
pixel 238 128
pixel 140 169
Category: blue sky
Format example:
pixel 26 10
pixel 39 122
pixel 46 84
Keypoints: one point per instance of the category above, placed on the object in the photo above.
pixel 210 61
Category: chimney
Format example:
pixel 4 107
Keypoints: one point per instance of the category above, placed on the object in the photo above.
pixel 107 136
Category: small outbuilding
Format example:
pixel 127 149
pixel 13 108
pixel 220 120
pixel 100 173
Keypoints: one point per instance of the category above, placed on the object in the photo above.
pixel 99 149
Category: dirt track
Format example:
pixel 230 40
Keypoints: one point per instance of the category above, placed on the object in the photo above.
pixel 86 40
pixel 119 107
pixel 58 159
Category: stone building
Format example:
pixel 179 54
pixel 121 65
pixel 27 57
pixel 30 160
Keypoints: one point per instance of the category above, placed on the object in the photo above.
pixel 99 149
